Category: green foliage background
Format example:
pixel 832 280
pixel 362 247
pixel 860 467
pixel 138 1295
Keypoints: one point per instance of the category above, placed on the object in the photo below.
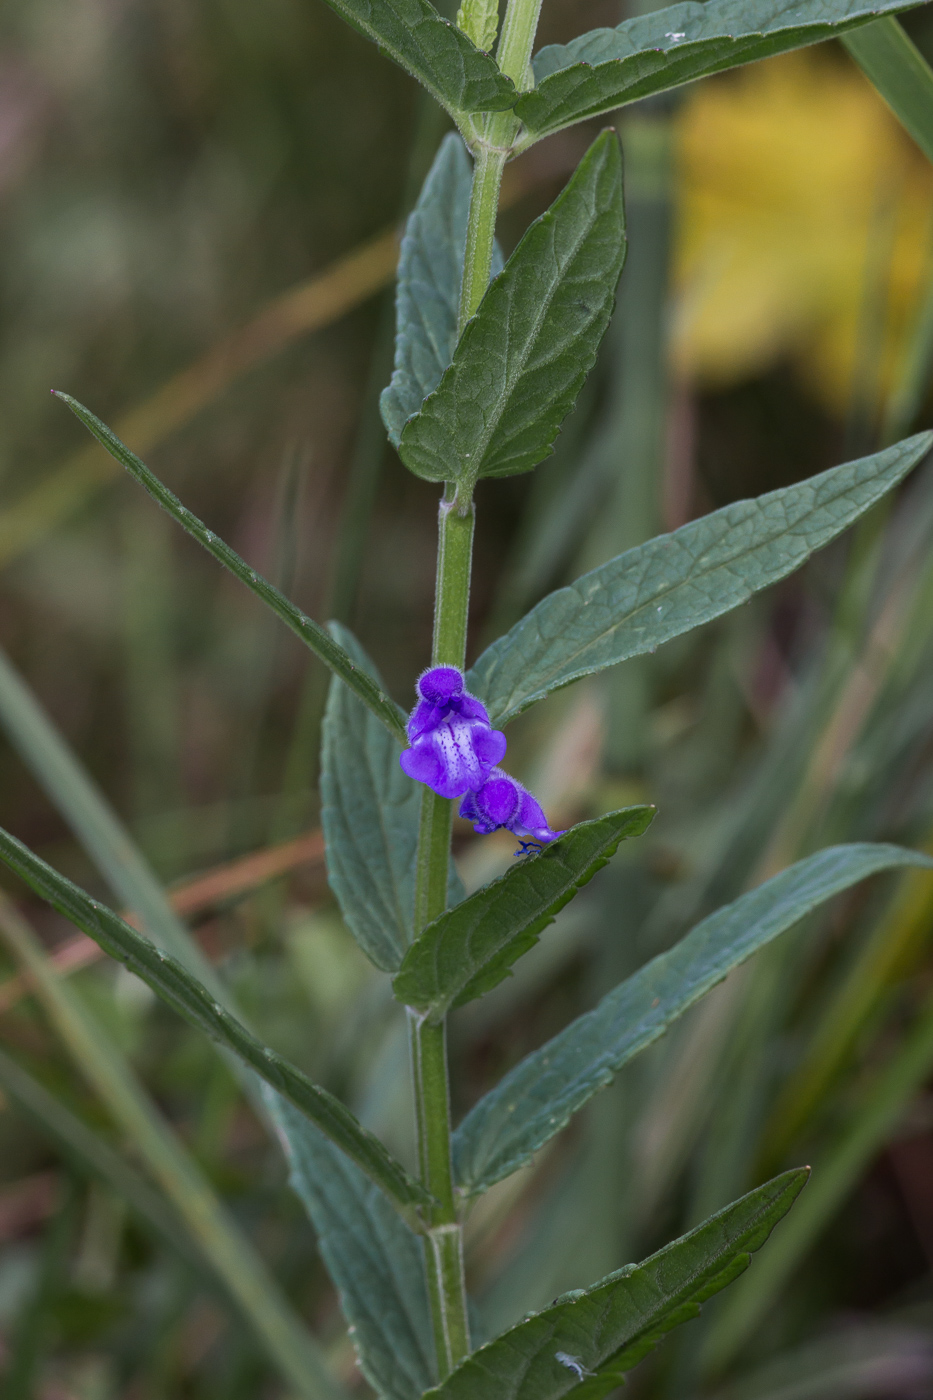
pixel 166 170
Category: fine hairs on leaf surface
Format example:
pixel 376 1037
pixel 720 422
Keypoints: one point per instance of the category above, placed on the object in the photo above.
pixel 522 359
pixel 676 582
pixel 431 49
pixel 310 632
pixel 169 980
pixel 587 1342
pixel 652 53
pixel 468 950
pixel 370 813
pixel 427 297
pixel 540 1095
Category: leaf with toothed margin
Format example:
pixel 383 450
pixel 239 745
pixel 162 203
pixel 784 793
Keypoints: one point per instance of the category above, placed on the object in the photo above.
pixel 455 72
pixel 375 1260
pixel 586 1342
pixel 537 1098
pixel 311 633
pixel 427 295
pixel 523 357
pixel 661 589
pixel 469 950
pixel 606 68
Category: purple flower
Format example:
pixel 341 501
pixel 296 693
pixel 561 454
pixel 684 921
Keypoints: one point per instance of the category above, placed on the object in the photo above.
pixel 453 743
pixel 502 801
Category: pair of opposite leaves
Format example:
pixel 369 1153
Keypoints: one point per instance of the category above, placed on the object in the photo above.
pixel 599 71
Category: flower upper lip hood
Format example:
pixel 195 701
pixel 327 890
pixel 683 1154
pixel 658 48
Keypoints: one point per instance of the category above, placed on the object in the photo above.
pixel 453 743
pixel 503 801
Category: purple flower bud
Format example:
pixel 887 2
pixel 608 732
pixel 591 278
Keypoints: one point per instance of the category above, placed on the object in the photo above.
pixel 503 801
pixel 453 743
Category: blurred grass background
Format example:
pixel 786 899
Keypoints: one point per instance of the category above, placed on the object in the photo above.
pixel 198 212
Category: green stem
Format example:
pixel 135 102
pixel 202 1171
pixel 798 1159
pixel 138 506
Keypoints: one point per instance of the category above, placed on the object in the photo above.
pixel 452 596
pixel 437 816
pixel 516 41
pixel 491 150
pixel 444 1241
pixel 444 1237
pixel 488 165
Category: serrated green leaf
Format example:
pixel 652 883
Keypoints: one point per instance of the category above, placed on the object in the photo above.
pixel 310 632
pixel 470 949
pixel 586 1344
pixel 674 583
pixel 890 60
pixel 375 1260
pixel 539 1096
pixel 479 20
pixel 370 814
pixel 523 357
pixel 176 986
pixel 606 68
pixel 455 72
pixel 430 271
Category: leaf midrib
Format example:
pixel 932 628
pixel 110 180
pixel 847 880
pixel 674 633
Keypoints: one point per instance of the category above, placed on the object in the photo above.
pixel 661 593
pixel 547 221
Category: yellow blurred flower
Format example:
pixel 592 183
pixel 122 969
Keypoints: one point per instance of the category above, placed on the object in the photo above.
pixel 799 197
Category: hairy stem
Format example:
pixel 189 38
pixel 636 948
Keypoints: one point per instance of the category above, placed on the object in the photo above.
pixel 444 1241
pixel 516 41
pixel 491 151
pixel 488 165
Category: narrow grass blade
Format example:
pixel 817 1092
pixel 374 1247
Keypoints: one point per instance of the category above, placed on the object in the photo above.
pixel 859 1360
pixel 33 1327
pixel 896 947
pixel 539 1097
pixel 891 61
pixel 48 757
pixel 836 1173
pixel 176 986
pixel 89 1152
pixel 311 633
pixel 586 1343
pixel 651 53
pixel 470 949
pixel 376 1262
pixel 241 1270
pixel 523 358
pixel 676 582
